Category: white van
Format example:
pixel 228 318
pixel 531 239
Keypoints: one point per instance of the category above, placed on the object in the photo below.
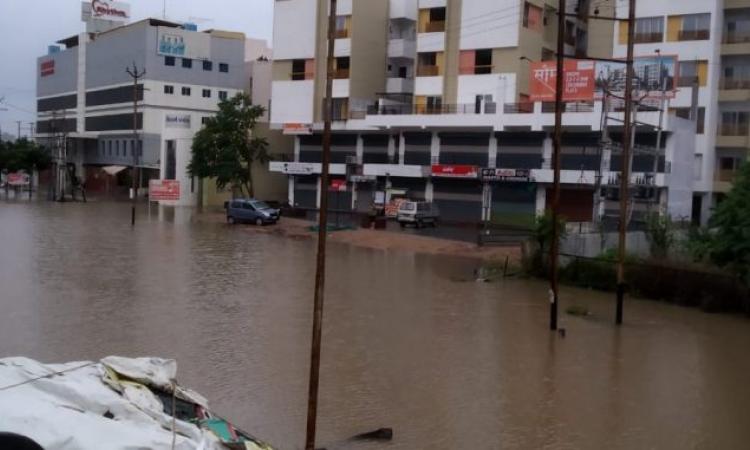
pixel 417 213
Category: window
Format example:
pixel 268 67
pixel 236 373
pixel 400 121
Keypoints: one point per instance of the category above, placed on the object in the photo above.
pixel 340 108
pixel 223 95
pixel 170 169
pixel 428 64
pixel 208 66
pixel 224 67
pixel 647 29
pixel 299 69
pixel 734 123
pixel 204 120
pixel 483 62
pixel 691 27
pixel 697 166
pixel 168 89
pixel 736 75
pixel 185 91
pixel 343 25
pixel 117 148
pixel 432 20
pixel 109 148
pixel 690 70
pixel 206 93
pixel 341 70
pixel 169 60
pixel 532 17
pixel 187 63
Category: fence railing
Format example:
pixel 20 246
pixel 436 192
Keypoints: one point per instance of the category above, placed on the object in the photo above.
pixel 731 84
pixel 694 35
pixel 736 37
pixel 549 107
pixel 734 129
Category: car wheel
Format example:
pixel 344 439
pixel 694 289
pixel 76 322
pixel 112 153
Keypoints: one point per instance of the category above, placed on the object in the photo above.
pixel 230 220
pixel 259 221
pixel 402 224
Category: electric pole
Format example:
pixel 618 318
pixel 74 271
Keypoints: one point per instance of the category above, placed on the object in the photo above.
pixel 320 275
pixel 136 148
pixel 625 169
pixel 554 254
pixel 18 122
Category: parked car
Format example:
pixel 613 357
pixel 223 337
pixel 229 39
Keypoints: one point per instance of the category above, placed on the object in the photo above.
pixel 250 210
pixel 417 213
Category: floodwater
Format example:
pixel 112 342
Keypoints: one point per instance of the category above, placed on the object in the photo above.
pixel 448 364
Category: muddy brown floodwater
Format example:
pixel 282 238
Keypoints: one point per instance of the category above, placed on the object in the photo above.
pixel 448 364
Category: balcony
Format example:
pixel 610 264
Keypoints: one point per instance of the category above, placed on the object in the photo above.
pixel 341 74
pixel 342 34
pixel 435 27
pixel 733 135
pixel 734 90
pixel 737 43
pixel 723 180
pixel 402 48
pixel 693 35
pixel 428 71
pixel 399 86
pixel 645 38
pixel 407 109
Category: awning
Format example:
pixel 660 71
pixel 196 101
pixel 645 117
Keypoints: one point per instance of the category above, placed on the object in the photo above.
pixel 113 170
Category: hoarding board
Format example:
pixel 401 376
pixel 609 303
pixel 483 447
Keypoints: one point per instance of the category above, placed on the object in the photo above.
pixel 47 68
pixel 490 174
pixel 650 72
pixel 177 121
pixel 298 128
pixel 454 171
pixel 578 84
pixel 298 168
pixel 106 10
pixel 18 179
pixel 164 190
pixel 182 43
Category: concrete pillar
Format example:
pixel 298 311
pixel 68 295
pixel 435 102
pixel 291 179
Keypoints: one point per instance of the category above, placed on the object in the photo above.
pixel 486 201
pixel 541 199
pixel 354 197
pixel 435 148
pixel 391 148
pixel 429 194
pixel 360 149
pixel 492 162
pixel 291 182
pixel 296 148
pixel 401 149
pixel 547 153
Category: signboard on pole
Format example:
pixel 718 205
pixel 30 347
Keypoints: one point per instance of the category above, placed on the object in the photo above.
pixel 578 85
pixel 164 190
pixel 506 174
pixel 454 171
pixel 183 43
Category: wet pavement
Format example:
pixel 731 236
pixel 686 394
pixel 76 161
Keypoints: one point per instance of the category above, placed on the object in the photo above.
pixel 409 343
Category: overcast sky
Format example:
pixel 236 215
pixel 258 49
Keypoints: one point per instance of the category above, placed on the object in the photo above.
pixel 27 27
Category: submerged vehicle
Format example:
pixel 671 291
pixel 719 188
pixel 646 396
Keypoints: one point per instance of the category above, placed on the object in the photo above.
pixel 250 210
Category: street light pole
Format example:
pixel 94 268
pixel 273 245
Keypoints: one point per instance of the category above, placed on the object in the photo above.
pixel 136 75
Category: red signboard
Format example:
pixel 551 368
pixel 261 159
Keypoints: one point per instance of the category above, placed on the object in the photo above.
pixel 164 190
pixel 47 68
pixel 338 185
pixel 454 171
pixel 578 85
pixel 18 179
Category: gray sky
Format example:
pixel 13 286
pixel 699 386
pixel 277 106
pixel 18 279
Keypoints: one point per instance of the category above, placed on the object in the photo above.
pixel 27 27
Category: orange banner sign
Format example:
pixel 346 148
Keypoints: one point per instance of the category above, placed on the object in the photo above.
pixel 578 85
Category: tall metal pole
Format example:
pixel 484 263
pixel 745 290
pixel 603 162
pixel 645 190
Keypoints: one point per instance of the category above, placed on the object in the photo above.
pixel 555 245
pixel 320 274
pixel 625 169
pixel 136 75
pixel 18 122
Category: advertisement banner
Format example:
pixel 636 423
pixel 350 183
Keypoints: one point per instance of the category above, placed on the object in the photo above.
pixel 177 121
pixel 650 72
pixel 47 68
pixel 18 179
pixel 163 190
pixel 454 171
pixel 338 185
pixel 578 85
pixel 506 174
pixel 109 10
pixel 298 128
pixel 298 168
pixel 183 43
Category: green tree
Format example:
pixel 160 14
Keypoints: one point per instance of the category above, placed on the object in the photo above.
pixel 730 223
pixel 660 234
pixel 23 155
pixel 227 146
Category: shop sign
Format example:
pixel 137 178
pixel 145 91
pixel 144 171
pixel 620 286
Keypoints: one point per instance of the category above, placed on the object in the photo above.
pixel 47 68
pixel 506 174
pixel 177 121
pixel 18 179
pixel 163 190
pixel 454 171
pixel 297 128
pixel 338 185
pixel 108 10
pixel 298 168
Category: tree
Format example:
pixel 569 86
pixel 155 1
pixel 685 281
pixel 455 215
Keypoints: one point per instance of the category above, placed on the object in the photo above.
pixel 660 234
pixel 227 147
pixel 730 223
pixel 23 155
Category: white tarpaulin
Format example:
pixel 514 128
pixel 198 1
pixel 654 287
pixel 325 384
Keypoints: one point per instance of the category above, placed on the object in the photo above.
pixel 113 170
pixel 87 405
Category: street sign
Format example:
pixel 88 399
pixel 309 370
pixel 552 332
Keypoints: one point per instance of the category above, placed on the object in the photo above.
pixel 454 171
pixel 298 168
pixel 490 174
pixel 164 190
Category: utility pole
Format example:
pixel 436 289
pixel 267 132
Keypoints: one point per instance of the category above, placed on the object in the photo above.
pixel 554 254
pixel 18 122
pixel 320 274
pixel 625 169
pixel 136 75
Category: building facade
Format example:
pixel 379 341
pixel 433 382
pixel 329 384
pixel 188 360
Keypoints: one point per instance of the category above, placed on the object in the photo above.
pixel 431 100
pixel 85 96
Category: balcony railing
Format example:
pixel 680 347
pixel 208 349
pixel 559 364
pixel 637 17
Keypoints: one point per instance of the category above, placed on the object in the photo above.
pixel 736 38
pixel 395 110
pixel 734 129
pixel 643 38
pixel 725 175
pixel 298 76
pixel 733 84
pixel 572 107
pixel 428 71
pixel 694 35
pixel 341 74
pixel 342 34
pixel 518 108
pixel 476 70
pixel 687 81
pixel 435 27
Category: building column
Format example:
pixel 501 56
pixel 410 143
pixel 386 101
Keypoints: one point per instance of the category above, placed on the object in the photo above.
pixel 547 153
pixel 296 148
pixel 391 149
pixel 291 183
pixel 435 148
pixel 492 162
pixel 360 149
pixel 486 201
pixel 401 149
pixel 429 194
pixel 541 199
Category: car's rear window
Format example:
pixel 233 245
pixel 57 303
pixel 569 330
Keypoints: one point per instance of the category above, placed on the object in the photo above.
pixel 408 206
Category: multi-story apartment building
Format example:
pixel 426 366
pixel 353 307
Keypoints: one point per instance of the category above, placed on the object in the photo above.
pixel 85 94
pixel 431 100
pixel 712 41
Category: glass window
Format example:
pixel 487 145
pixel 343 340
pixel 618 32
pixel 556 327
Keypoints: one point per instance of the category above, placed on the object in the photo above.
pixel 185 91
pixel 649 29
pixel 223 67
pixel 695 26
pixel 260 205
pixel 208 65
pixel 206 93
pixel 697 166
pixel 298 69
pixel 532 17
pixel 223 95
pixel 168 89
pixel 169 60
pixel 187 63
